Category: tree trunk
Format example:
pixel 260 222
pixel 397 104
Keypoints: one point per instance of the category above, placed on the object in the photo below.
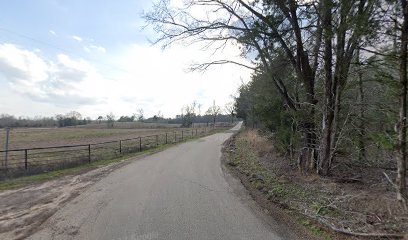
pixel 336 115
pixel 308 155
pixel 328 110
pixel 361 127
pixel 402 123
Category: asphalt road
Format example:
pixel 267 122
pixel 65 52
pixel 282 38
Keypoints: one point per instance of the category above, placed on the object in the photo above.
pixel 179 193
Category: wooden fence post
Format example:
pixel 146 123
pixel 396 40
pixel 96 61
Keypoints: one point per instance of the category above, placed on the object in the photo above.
pixel 140 144
pixel 25 159
pixel 89 153
pixel 120 146
pixel 6 147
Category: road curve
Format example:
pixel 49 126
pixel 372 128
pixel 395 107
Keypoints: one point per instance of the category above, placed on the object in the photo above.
pixel 179 193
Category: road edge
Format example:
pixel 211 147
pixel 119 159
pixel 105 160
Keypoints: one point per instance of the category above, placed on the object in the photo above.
pixel 96 171
pixel 268 211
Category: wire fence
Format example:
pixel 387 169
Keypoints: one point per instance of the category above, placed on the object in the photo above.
pixel 28 161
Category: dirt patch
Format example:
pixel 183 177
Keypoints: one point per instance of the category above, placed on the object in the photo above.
pixel 366 209
pixel 23 210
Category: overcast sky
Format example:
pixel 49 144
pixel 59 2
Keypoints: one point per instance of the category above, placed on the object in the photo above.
pixel 93 57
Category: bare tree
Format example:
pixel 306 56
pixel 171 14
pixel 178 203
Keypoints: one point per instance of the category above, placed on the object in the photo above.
pixel 230 110
pixel 100 118
pixel 110 120
pixel 140 116
pixel 188 115
pixel 291 33
pixel 214 111
pixel 160 114
pixel 74 114
pixel 260 28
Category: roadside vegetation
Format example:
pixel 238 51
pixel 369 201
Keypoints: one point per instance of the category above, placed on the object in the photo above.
pixel 323 205
pixel 329 90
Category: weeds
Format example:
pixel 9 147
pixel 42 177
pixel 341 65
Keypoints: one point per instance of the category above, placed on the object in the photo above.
pixel 245 158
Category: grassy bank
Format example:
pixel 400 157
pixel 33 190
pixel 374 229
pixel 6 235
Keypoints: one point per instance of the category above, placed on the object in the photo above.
pixel 243 156
pixel 329 208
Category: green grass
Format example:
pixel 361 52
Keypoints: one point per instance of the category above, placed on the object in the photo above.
pixel 247 162
pixel 26 180
pixel 314 229
pixel 324 209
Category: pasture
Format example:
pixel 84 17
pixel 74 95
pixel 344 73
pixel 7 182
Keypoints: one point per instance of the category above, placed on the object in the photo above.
pixel 35 150
pixel 48 137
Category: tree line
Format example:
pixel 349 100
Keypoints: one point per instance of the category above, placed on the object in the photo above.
pixel 61 120
pixel 329 77
pixel 190 115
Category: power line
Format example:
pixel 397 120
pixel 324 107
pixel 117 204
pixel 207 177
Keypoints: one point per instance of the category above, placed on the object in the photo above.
pixel 32 39
pixel 57 47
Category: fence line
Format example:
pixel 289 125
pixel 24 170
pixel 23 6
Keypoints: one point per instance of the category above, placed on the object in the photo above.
pixel 26 161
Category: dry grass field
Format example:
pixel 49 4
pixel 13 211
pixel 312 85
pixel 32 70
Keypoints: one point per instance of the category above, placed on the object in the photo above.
pixel 46 137
pixel 130 125
pixel 35 150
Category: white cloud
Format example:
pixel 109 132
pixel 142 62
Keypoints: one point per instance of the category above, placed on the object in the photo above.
pixel 21 64
pixel 53 33
pixel 57 83
pixel 160 78
pixel 139 76
pixel 77 38
pixel 98 48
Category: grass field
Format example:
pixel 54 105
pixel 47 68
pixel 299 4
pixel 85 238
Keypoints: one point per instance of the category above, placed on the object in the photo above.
pixel 45 137
pixel 46 149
